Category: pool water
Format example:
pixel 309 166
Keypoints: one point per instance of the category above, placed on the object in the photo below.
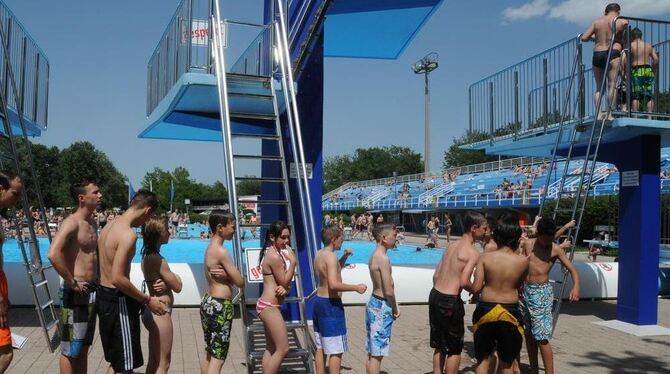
pixel 192 251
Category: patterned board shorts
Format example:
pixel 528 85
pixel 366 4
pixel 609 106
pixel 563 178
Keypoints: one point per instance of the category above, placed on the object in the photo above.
pixel 77 317
pixel 642 80
pixel 216 316
pixel 378 324
pixel 537 302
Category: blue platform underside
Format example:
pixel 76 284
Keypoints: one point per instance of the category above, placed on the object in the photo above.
pixel 32 129
pixel 374 29
pixel 542 145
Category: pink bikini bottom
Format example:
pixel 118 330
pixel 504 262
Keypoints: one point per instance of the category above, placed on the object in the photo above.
pixel 261 305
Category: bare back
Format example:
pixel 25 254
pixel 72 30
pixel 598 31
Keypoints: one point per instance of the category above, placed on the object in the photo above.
pixel 151 267
pixel 449 272
pixel 108 244
pixel 602 32
pixel 379 261
pixel 503 273
pixel 321 266
pixel 642 53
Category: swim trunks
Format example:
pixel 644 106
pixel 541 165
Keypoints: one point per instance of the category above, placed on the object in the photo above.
pixel 446 313
pixel 642 82
pixel 77 318
pixel 330 326
pixel 538 300
pixel 378 324
pixel 600 57
pixel 216 316
pixel 5 334
pixel 497 327
pixel 119 329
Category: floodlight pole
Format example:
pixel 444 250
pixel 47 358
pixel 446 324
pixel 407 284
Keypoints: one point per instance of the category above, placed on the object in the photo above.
pixel 425 66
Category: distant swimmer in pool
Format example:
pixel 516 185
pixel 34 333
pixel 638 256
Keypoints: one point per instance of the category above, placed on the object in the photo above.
pixel 277 277
pixel 161 282
pixel 445 307
pixel 216 307
pixel 330 327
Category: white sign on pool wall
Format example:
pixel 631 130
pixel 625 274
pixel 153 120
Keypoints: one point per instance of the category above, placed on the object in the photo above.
pixel 630 178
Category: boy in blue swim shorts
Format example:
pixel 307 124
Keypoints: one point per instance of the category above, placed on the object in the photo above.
pixel 330 326
pixel 538 294
pixel 382 309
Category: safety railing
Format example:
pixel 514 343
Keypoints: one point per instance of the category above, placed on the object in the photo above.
pixel 31 71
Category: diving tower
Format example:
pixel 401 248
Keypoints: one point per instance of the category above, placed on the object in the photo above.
pixel 543 107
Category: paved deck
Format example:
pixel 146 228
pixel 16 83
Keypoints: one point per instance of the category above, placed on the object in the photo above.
pixel 579 345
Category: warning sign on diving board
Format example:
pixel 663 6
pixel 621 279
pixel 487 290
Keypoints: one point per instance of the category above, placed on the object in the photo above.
pixel 293 174
pixel 630 178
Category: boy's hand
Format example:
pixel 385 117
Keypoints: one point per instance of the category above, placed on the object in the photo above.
pixel 571 224
pixel 574 294
pixel 218 273
pixel 348 252
pixel 396 314
pixel 566 244
pixel 361 288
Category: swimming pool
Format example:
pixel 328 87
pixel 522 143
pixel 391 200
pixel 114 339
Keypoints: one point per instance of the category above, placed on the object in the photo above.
pixel 191 251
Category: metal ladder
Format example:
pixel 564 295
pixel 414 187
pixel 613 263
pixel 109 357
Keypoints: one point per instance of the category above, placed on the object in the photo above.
pixel 11 157
pixel 589 159
pixel 300 356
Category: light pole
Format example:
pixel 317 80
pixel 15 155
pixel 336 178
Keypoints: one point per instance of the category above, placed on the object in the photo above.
pixel 425 66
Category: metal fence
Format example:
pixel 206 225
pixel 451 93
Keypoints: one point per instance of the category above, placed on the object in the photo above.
pixel 30 67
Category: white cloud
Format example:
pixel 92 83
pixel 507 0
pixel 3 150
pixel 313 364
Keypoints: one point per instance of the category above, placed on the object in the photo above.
pixel 582 12
pixel 535 8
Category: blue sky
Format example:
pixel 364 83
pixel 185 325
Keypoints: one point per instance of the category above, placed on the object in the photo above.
pixel 98 52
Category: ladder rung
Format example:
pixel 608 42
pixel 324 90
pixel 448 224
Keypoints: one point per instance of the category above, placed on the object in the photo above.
pixel 41 283
pixel 258 157
pixel 292 353
pixel 250 95
pixel 256 116
pixel 47 304
pixel 51 324
pixel 264 202
pixel 289 326
pixel 248 77
pixel 255 136
pixel 260 179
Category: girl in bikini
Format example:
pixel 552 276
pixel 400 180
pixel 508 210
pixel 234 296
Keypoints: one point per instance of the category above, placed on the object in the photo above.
pixel 160 281
pixel 277 278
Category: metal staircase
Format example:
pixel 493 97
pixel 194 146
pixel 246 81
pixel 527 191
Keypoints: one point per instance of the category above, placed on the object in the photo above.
pixel 21 162
pixel 264 122
pixel 586 136
pixel 426 198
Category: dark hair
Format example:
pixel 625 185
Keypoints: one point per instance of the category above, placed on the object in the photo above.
pixel 471 218
pixel 507 232
pixel 6 176
pixel 219 217
pixel 546 226
pixel 151 234
pixel 612 7
pixel 636 33
pixel 379 229
pixel 143 199
pixel 274 231
pixel 330 233
pixel 79 188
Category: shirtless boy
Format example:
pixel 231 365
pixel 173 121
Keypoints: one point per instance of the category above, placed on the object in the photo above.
pixel 330 326
pixel 118 301
pixel 538 293
pixel 73 255
pixel 216 308
pixel 600 31
pixel 11 187
pixel 382 309
pixel 497 322
pixel 445 307
pixel 643 70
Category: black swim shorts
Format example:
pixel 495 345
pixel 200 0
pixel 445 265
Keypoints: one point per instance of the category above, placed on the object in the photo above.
pixel 499 330
pixel 446 313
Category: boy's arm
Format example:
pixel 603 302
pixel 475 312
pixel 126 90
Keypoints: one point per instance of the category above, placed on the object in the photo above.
pixel 466 274
pixel 564 228
pixel 233 274
pixel 478 284
pixel 560 254
pixel 56 256
pixel 387 286
pixel 334 284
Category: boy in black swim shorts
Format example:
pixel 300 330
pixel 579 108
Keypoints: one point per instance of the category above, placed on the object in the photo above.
pixel 446 314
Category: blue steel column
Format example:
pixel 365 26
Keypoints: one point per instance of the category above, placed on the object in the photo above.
pixel 639 230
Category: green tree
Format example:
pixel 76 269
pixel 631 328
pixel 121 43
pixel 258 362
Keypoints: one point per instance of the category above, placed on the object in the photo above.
pixel 82 160
pixel 370 163
pixel 184 188
pixel 248 187
pixel 457 156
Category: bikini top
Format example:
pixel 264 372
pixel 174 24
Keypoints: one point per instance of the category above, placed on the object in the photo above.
pixel 280 254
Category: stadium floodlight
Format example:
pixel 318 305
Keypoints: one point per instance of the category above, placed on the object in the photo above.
pixel 425 66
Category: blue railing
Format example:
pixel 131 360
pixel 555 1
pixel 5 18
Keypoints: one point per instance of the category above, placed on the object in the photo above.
pixel 31 71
